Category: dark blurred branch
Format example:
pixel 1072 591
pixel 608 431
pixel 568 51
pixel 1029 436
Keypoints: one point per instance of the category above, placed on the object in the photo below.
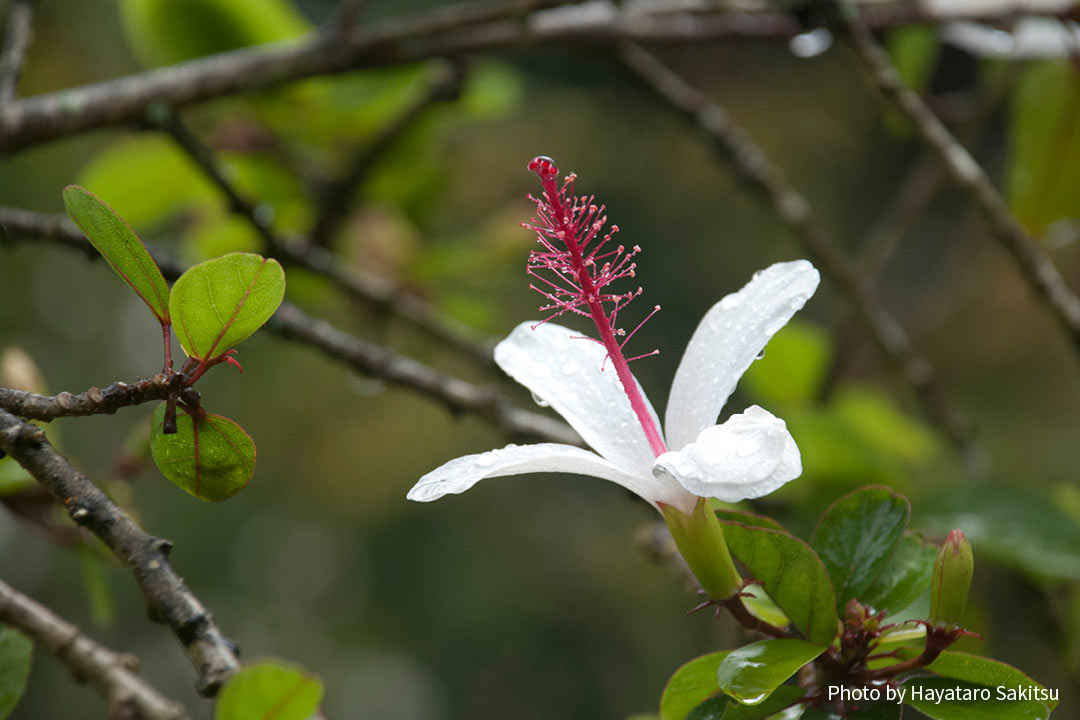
pixel 1034 264
pixel 373 292
pixel 167 597
pixel 18 31
pixel 333 205
pixel 347 16
pixel 459 396
pixel 736 145
pixel 95 401
pixel 444 32
pixel 113 674
pixel 924 179
pixel 365 357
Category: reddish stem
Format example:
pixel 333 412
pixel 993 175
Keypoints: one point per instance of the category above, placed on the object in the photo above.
pixel 166 325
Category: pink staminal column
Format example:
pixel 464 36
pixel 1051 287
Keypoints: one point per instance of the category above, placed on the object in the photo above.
pixel 574 268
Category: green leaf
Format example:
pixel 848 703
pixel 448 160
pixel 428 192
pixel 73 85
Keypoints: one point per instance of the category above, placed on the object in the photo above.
pixel 220 302
pixel 269 690
pixel 794 366
pixel 905 577
pixel 748 518
pixel 857 536
pixel 690 685
pixel 1043 173
pixel 761 606
pixel 118 244
pixel 212 460
pixel 1015 527
pixel 16 651
pixel 914 51
pixel 978 670
pixel 751 673
pixel 993 708
pixel 793 575
pixel 164 32
pixel 784 696
pixel 711 709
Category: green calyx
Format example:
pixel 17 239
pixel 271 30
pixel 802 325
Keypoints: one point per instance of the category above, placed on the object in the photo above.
pixel 700 540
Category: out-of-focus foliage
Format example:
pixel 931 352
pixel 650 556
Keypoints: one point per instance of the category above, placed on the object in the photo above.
pixel 530 602
pixel 1044 138
pixel 163 32
pixel 15 654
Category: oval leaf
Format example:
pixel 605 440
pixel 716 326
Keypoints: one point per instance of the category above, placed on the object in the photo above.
pixel 943 698
pixel 121 248
pixel 220 302
pixel 980 671
pixel 691 684
pixel 16 651
pixel 783 697
pixel 711 709
pixel 857 536
pixel 906 576
pixel 213 459
pixel 269 691
pixel 751 673
pixel 794 577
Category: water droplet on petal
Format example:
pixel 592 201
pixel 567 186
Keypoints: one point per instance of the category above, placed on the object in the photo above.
pixel 760 355
pixel 540 401
pixel 730 302
pixel 750 444
pixel 570 367
pixel 485 460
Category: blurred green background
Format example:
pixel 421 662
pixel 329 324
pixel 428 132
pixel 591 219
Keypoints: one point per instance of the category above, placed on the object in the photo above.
pixel 528 597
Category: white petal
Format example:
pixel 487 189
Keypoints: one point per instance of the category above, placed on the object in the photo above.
pixel 730 336
pixel 460 474
pixel 750 455
pixel 563 369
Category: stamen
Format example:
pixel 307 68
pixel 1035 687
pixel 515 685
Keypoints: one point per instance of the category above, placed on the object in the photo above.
pixel 565 225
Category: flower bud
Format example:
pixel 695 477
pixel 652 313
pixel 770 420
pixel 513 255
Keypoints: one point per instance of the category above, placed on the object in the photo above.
pixel 949 587
pixel 700 540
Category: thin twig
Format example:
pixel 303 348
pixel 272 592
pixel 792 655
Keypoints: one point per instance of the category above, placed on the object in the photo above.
pixel 376 293
pixel 18 31
pixel 449 31
pixel 168 599
pixel 459 396
pixel 95 401
pixel 334 198
pixel 734 143
pixel 113 674
pixel 365 357
pixel 923 180
pixel 1034 264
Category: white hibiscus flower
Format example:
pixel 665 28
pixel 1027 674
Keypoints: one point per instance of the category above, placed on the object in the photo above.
pixel 750 455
